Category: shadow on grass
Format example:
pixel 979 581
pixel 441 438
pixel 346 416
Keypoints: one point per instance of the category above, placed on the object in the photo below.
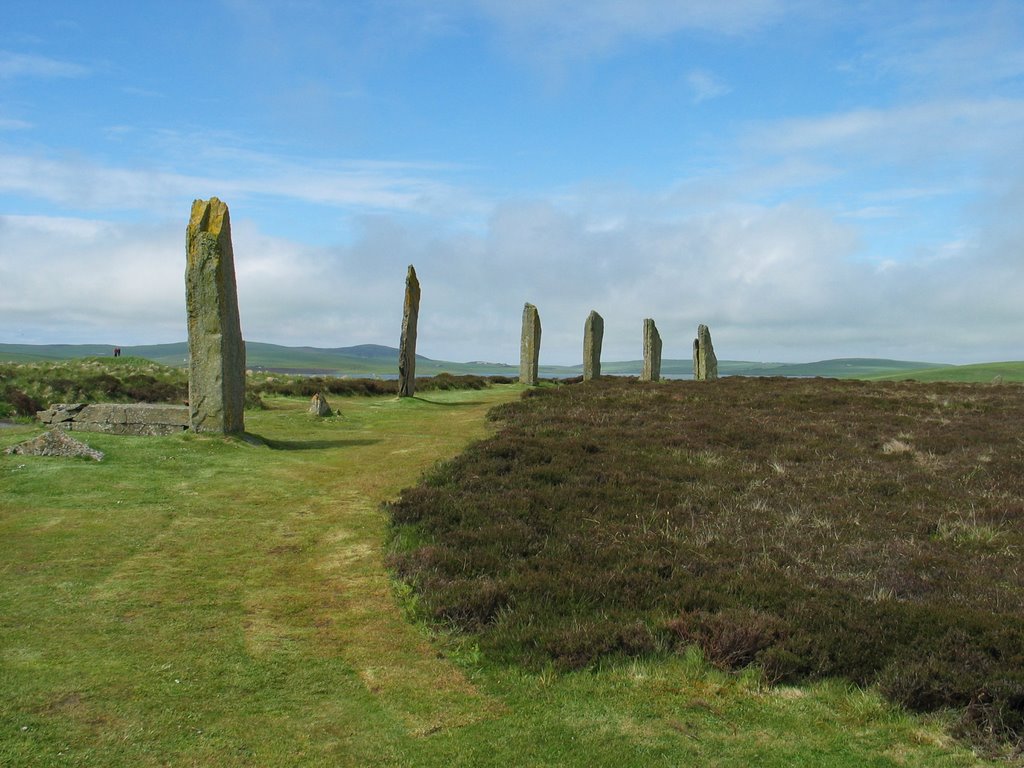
pixel 461 404
pixel 313 445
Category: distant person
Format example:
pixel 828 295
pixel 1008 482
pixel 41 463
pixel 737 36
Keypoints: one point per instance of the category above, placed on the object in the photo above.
pixel 117 351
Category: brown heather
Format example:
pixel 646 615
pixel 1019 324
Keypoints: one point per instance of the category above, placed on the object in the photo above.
pixel 815 528
pixel 30 387
pixel 307 386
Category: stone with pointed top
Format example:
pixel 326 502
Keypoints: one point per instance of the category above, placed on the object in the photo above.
pixel 529 347
pixel 318 405
pixel 705 364
pixel 56 442
pixel 216 373
pixel 407 345
pixel 652 352
pixel 593 337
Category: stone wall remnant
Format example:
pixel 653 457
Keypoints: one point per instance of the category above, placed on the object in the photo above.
pixel 407 345
pixel 118 418
pixel 529 347
pixel 705 364
pixel 216 370
pixel 652 352
pixel 593 337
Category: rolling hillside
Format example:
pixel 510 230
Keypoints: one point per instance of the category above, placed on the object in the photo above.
pixel 844 368
pixel 978 372
pixel 360 360
pixel 380 360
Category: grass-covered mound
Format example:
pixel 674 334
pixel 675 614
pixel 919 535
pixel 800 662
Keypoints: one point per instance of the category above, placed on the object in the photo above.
pixel 29 387
pixel 816 528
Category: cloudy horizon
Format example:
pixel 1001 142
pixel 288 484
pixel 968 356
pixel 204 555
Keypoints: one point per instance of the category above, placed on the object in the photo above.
pixel 810 183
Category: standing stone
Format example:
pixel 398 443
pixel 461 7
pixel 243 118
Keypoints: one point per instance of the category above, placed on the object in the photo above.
pixel 318 405
pixel 652 352
pixel 705 364
pixel 529 347
pixel 216 370
pixel 593 336
pixel 407 346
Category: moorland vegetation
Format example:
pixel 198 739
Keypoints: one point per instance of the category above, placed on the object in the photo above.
pixel 208 600
pixel 810 528
pixel 26 388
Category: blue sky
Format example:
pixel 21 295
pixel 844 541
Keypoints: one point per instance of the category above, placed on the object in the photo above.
pixel 809 179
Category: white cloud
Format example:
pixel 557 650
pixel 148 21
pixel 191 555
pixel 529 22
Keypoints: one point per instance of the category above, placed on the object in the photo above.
pixel 910 131
pixel 773 282
pixel 29 65
pixel 949 49
pixel 11 124
pixel 82 184
pixel 567 27
pixel 80 280
pixel 705 85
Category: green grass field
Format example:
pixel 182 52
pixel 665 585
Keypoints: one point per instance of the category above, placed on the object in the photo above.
pixel 203 601
pixel 982 373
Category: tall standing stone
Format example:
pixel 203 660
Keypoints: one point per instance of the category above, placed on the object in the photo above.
pixel 529 347
pixel 407 346
pixel 593 336
pixel 652 352
pixel 705 364
pixel 216 369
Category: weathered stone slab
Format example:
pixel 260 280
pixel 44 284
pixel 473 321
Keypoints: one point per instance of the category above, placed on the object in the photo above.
pixel 139 430
pixel 529 347
pixel 58 413
pixel 56 442
pixel 121 418
pixel 407 345
pixel 105 413
pixel 652 352
pixel 157 413
pixel 705 364
pixel 133 419
pixel 318 405
pixel 216 374
pixel 593 338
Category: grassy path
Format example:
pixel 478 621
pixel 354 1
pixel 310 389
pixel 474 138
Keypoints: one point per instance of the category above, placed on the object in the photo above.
pixel 194 600
pixel 198 601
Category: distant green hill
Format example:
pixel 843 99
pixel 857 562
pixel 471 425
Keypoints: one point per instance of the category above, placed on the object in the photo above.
pixel 978 372
pixel 844 368
pixel 359 360
pixel 32 353
pixel 841 368
pixel 380 360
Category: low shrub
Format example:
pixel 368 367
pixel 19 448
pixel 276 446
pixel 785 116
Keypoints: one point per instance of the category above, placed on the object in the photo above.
pixel 20 403
pixel 731 639
pixel 307 386
pixel 92 380
pixel 34 386
pixel 768 521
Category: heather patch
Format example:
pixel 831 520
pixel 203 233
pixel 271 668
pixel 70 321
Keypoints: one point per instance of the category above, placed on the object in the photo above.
pixel 813 528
